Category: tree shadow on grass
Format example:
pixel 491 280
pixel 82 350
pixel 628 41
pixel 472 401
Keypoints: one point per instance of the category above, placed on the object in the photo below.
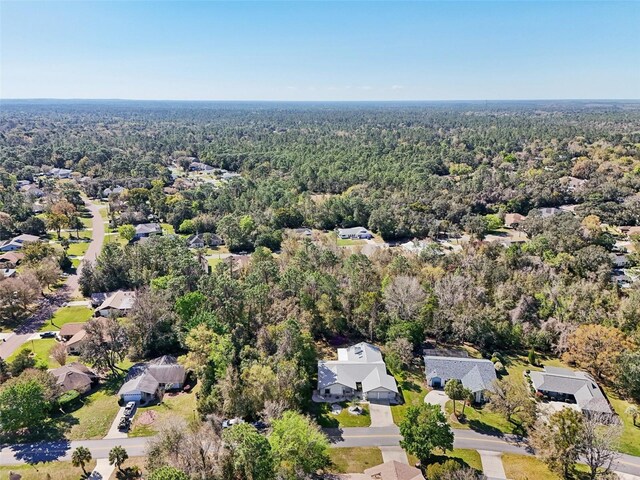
pixel 481 427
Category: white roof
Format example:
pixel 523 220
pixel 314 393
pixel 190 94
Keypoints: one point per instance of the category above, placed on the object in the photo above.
pixel 120 300
pixel 352 231
pixel 360 363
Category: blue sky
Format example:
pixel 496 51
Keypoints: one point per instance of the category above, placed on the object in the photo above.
pixel 309 50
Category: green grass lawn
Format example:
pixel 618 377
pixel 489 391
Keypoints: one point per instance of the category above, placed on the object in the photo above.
pixel 354 460
pixel 630 438
pixel 325 418
pixel 182 405
pixel 139 462
pixel 212 261
pixel 347 242
pixel 480 419
pixel 94 418
pixel 525 467
pixel 413 390
pixel 40 349
pixel 78 249
pixel 87 221
pixel 115 239
pixel 67 315
pixel 470 458
pixel 55 470
pixel 82 234
pixel 167 228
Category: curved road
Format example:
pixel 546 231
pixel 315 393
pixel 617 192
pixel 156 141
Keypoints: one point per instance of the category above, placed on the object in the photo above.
pixel 345 437
pixel 48 306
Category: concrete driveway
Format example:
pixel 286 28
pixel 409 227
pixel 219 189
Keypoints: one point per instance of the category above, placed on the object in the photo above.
pixel 380 412
pixel 113 431
pixel 437 397
pixel 492 465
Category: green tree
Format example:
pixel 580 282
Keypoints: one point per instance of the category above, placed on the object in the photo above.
pixel 249 453
pixel 511 397
pixel 629 374
pixel 168 473
pixel 23 360
pixel 632 411
pixel 455 391
pixel 558 441
pixel 425 428
pixel 117 456
pixel 22 405
pixel 80 457
pixel 127 232
pixel 298 445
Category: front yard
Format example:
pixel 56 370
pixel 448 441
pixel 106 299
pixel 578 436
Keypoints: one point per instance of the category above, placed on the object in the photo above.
pixel 94 417
pixel 470 458
pixel 413 389
pixel 40 471
pixel 41 349
pixel 324 417
pixel 480 419
pixel 147 420
pixel 67 315
pixel 354 460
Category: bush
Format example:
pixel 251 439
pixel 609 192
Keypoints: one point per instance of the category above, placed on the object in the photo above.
pixel 440 471
pixel 499 367
pixel 68 398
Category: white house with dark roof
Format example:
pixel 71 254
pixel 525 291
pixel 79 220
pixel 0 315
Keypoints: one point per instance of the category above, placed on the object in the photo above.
pixel 354 233
pixel 147 229
pixel 16 243
pixel 572 386
pixel 478 375
pixel 146 382
pixel 359 371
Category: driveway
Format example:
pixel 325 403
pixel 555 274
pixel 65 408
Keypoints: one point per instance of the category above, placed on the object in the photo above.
pixel 437 397
pixel 380 412
pixel 492 465
pixel 394 453
pixel 113 431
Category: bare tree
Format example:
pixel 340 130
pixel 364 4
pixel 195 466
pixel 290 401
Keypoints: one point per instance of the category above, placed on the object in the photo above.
pixel 600 439
pixel 59 353
pixel 404 297
pixel 17 295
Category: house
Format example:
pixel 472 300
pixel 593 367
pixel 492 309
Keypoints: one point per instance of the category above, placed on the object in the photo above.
pixel 571 386
pixel 629 230
pixel 17 242
pixel 59 173
pixel 513 220
pixel 98 298
pixel 302 232
pixel 477 375
pixel 75 343
pixel 572 183
pixel 354 233
pixel 200 167
pixel 148 381
pixel 359 371
pixel 619 260
pixel 548 211
pixel 196 241
pixel 11 259
pixel 74 376
pixel 226 176
pixel 214 240
pixel 147 229
pixel 68 330
pixel 393 470
pixel 118 303
pixel 32 191
pixel 8 272
pixel 112 191
pixel 571 208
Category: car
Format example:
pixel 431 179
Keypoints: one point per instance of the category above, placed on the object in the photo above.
pixel 231 422
pixel 129 408
pixel 124 424
pixel 260 425
pixel 47 334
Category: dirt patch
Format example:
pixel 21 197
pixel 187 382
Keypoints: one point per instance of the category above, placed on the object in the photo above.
pixel 147 418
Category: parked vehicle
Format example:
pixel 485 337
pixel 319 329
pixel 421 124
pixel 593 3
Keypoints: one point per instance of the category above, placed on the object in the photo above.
pixel 231 422
pixel 260 426
pixel 124 424
pixel 129 408
pixel 47 334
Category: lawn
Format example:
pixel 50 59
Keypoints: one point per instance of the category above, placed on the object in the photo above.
pixel 67 315
pixel 139 462
pixel 480 419
pixel 40 349
pixel 525 467
pixel 94 418
pixel 325 418
pixel 39 471
pixel 72 235
pixel 354 460
pixel 214 261
pixel 630 438
pixel 78 249
pixel 182 405
pixel 471 458
pixel 413 390
pixel 347 242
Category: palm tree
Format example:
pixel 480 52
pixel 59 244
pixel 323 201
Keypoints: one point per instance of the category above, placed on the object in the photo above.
pixel 467 398
pixel 80 457
pixel 633 412
pixel 117 456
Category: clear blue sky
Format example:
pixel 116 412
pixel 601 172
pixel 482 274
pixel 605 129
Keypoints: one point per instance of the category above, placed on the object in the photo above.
pixel 320 50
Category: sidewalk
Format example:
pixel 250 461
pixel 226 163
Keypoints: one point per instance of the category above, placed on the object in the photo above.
pixel 102 471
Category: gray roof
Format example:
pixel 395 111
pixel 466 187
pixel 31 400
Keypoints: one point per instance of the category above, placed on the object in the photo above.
pixel 353 231
pixel 360 363
pixel 143 382
pixel 164 370
pixel 475 374
pixel 570 382
pixel 147 228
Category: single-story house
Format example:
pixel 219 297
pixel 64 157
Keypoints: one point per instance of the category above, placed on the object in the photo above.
pixel 98 298
pixel 196 241
pixel 619 260
pixel 68 330
pixel 11 259
pixel 302 232
pixel 572 386
pixel 393 470
pixel 478 375
pixel 75 343
pixel 17 243
pixel 32 191
pixel 119 303
pixel 59 173
pixel 200 167
pixel 548 211
pixel 74 376
pixel 629 230
pixel 355 232
pixel 148 381
pixel 513 220
pixel 115 190
pixel 359 371
pixel 573 183
pixel 147 229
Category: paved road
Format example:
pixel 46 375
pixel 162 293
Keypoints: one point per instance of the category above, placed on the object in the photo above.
pixel 49 305
pixel 347 437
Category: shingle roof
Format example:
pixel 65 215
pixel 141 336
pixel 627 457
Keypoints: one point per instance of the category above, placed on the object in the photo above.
pixel 147 228
pixel 70 329
pixel 394 470
pixel 360 363
pixel 353 231
pixel 569 382
pixel 74 376
pixel 163 370
pixel 143 382
pixel 475 374
pixel 120 300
